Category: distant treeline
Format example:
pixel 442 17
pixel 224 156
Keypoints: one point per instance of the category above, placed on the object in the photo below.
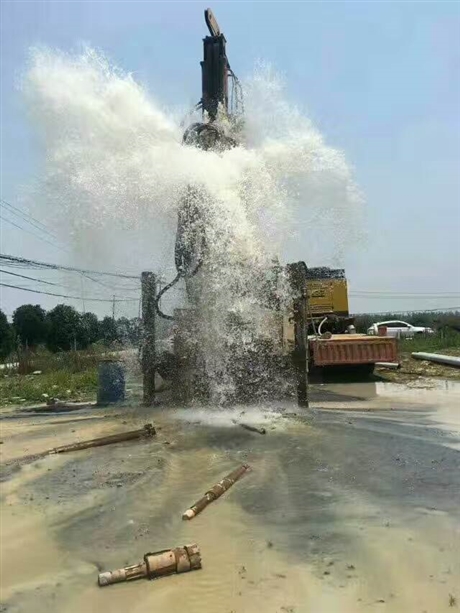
pixel 63 328
pixel 438 320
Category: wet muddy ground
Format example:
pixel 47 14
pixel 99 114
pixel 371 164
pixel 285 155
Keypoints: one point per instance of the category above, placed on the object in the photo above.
pixel 352 505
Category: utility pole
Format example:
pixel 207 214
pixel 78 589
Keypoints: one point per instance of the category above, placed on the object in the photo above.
pixel 82 294
pixel 303 393
pixel 148 285
pixel 298 278
pixel 113 308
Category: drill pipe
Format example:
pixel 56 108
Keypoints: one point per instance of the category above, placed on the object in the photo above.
pixel 147 431
pixel 215 492
pixel 253 428
pixel 158 564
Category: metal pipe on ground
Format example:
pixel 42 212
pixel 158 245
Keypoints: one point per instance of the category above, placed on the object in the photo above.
pixel 450 360
pixel 253 428
pixel 146 432
pixel 215 492
pixel 158 564
pixel 391 365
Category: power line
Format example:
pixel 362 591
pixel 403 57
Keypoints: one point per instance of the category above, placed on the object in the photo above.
pixel 30 232
pixel 439 309
pixel 390 294
pixel 40 226
pixel 17 261
pixel 405 296
pixel 45 240
pixel 15 274
pixel 36 291
pixel 28 218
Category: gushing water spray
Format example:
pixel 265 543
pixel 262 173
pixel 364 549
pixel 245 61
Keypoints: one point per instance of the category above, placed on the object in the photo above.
pixel 116 172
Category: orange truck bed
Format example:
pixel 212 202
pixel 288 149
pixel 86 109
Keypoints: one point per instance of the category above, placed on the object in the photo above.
pixel 350 349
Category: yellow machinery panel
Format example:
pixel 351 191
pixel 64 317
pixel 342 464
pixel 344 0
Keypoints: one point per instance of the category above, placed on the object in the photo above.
pixel 328 296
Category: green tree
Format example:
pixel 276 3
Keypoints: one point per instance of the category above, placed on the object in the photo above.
pixel 90 332
pixel 65 330
pixel 108 330
pixel 128 330
pixel 6 336
pixel 29 322
pixel 123 326
pixel 135 331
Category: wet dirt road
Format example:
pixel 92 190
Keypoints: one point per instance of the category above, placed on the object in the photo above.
pixel 351 506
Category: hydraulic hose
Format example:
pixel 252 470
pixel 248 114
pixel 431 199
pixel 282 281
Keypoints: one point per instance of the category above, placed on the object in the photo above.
pixel 321 325
pixel 189 249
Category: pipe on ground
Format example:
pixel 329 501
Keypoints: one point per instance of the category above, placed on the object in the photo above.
pixel 146 432
pixel 450 360
pixel 158 564
pixel 391 365
pixel 215 492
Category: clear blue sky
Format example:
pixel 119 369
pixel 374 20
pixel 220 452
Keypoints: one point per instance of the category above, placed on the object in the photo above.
pixel 380 80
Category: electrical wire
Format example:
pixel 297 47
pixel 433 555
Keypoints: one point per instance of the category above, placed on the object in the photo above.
pixel 15 274
pixel 28 218
pixel 36 291
pixel 437 310
pixel 12 260
pixel 31 233
pixel 365 294
pixel 40 226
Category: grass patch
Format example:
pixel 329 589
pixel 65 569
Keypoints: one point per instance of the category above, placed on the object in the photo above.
pixel 26 362
pixel 448 344
pixel 434 343
pixel 69 375
pixel 62 384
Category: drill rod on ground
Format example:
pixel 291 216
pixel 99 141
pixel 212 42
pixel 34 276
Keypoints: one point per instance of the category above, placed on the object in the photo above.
pixel 158 564
pixel 215 492
pixel 146 432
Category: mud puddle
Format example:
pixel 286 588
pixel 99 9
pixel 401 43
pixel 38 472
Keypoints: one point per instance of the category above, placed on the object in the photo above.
pixel 343 512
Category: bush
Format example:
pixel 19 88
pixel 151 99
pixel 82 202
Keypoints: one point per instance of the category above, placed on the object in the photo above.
pixel 6 337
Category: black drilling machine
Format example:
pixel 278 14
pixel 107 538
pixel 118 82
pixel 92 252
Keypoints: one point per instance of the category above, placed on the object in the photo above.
pixel 316 330
pixel 222 110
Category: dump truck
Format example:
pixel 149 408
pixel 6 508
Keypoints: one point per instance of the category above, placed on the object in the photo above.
pixel 332 338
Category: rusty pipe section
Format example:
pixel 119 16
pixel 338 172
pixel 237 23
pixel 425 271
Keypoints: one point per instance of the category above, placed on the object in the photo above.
pixel 146 432
pixel 158 564
pixel 215 492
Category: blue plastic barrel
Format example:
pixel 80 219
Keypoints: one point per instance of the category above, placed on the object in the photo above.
pixel 111 382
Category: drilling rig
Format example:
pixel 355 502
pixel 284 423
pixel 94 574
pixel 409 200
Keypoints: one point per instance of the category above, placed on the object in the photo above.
pixel 217 131
pixel 316 330
pixel 221 105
